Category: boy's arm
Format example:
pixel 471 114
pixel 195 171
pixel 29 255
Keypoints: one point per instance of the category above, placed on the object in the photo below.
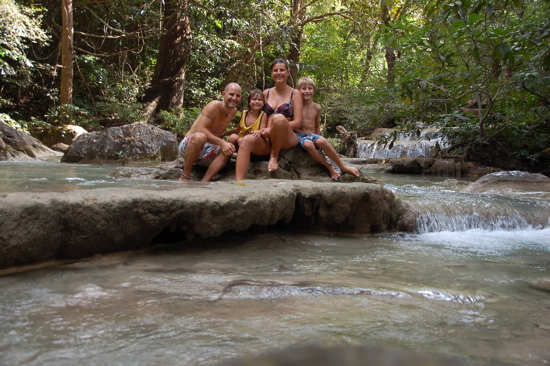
pixel 318 119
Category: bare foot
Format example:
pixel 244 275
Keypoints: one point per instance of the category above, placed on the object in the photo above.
pixel 333 173
pixel 184 178
pixel 273 164
pixel 350 169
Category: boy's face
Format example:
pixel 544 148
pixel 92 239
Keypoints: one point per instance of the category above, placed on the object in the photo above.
pixel 307 91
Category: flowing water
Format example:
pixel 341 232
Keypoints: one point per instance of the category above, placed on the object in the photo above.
pixel 457 286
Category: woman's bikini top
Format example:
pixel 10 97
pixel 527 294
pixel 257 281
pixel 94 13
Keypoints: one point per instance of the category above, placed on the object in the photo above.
pixel 286 109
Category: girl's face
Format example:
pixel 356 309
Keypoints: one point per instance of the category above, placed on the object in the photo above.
pixel 279 72
pixel 256 102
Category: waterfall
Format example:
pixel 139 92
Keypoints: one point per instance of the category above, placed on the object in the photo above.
pixel 407 145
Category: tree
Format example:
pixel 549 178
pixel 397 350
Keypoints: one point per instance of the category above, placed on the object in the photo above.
pixel 167 86
pixel 67 57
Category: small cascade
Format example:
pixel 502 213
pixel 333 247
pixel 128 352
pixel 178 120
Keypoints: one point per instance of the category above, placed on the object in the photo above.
pixel 407 145
pixel 495 216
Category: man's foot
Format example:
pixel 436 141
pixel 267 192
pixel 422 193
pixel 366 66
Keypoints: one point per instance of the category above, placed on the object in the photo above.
pixel 184 178
pixel 350 169
pixel 333 173
pixel 273 164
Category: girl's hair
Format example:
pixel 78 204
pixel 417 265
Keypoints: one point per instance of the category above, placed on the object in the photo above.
pixel 306 80
pixel 253 93
pixel 279 61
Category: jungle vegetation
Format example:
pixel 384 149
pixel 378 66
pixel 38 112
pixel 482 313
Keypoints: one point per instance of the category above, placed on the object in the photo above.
pixel 478 69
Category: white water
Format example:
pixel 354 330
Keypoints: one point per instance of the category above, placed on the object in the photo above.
pixel 407 145
pixel 465 289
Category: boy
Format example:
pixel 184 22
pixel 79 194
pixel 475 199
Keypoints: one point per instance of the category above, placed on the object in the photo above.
pixel 309 133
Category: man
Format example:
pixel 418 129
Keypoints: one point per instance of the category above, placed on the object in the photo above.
pixel 203 144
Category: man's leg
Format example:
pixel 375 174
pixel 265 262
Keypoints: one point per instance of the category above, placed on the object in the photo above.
pixel 324 144
pixel 192 153
pixel 219 162
pixel 281 136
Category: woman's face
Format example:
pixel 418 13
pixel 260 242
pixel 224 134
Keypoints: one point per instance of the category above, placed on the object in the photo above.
pixel 279 72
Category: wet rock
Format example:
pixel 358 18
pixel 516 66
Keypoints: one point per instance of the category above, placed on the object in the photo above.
pixel 294 164
pixel 47 225
pixel 507 182
pixel 134 143
pixel 61 147
pixel 411 165
pixel 17 145
pixel 315 355
pixel 61 134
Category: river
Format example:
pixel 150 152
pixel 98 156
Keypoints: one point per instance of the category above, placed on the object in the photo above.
pixel 465 285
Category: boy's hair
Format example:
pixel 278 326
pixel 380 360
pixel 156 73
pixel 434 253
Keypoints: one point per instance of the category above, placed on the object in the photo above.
pixel 252 94
pixel 306 80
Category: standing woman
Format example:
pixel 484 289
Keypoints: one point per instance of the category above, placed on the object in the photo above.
pixel 283 105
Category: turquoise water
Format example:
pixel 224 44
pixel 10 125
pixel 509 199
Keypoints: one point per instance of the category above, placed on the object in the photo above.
pixel 469 292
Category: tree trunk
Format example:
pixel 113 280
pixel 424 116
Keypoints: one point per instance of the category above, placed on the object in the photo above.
pixel 67 57
pixel 390 52
pixel 168 83
pixel 297 21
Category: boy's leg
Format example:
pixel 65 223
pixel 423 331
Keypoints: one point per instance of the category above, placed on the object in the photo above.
pixel 310 147
pixel 324 144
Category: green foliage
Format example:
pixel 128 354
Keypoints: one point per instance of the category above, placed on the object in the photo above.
pixel 178 120
pixel 484 51
pixel 19 27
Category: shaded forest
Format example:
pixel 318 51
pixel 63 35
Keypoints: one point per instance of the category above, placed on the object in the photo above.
pixel 479 70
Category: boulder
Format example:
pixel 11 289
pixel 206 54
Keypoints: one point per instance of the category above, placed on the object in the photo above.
pixel 17 145
pixel 511 182
pixel 61 134
pixel 45 226
pixel 135 143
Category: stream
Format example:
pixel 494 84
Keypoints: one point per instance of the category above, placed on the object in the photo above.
pixel 465 284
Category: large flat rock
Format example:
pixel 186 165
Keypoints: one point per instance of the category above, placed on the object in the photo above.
pixel 38 227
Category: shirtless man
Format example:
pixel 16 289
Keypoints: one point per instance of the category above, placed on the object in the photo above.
pixel 309 132
pixel 203 144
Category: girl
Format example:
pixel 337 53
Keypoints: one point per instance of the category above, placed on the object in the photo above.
pixel 252 119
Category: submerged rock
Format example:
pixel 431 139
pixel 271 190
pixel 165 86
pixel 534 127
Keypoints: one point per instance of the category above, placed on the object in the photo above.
pixel 344 356
pixel 137 142
pixel 81 223
pixel 507 182
pixel 17 145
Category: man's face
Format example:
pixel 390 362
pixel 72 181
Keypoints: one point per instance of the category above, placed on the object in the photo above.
pixel 232 96
pixel 307 91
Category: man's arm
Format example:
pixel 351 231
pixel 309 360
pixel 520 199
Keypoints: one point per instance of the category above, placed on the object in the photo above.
pixel 206 124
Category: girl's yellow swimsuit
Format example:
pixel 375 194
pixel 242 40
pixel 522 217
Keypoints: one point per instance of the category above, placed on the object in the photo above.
pixel 253 127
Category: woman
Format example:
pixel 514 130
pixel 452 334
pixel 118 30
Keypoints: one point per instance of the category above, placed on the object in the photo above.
pixel 283 105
